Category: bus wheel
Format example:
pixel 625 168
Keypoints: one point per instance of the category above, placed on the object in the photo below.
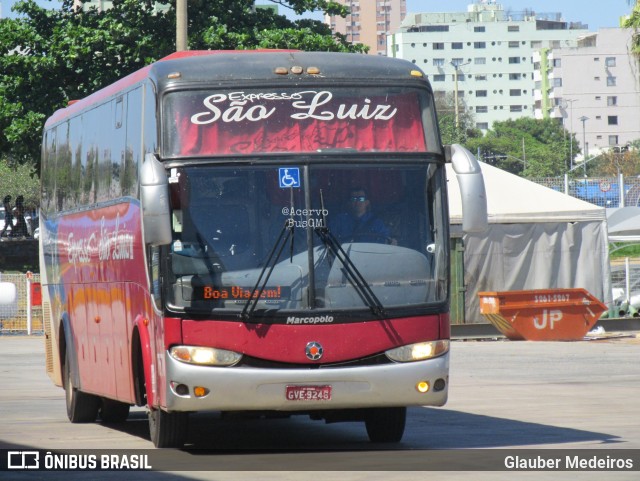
pixel 113 411
pixel 168 430
pixel 385 425
pixel 81 407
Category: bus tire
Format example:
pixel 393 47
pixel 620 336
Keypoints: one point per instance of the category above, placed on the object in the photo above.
pixel 386 425
pixel 168 430
pixel 81 407
pixel 112 412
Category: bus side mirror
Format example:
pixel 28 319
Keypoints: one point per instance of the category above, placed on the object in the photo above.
pixel 472 191
pixel 154 196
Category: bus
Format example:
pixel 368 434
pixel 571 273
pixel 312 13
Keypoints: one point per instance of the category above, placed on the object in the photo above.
pixel 192 248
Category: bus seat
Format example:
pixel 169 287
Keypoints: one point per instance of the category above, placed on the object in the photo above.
pixel 226 229
pixel 183 263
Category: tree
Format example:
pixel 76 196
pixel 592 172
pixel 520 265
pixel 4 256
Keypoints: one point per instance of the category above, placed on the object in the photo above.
pixel 18 180
pixel 50 57
pixel 634 22
pixel 449 131
pixel 618 160
pixel 527 147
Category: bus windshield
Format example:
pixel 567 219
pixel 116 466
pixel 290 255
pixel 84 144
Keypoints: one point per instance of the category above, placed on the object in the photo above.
pixel 297 237
pixel 364 119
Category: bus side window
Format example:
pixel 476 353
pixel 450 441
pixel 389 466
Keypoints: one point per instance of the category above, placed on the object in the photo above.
pixel 154 275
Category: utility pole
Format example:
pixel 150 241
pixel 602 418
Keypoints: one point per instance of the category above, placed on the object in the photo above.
pixel 585 148
pixel 570 101
pixel 456 68
pixel 181 26
pixel 455 96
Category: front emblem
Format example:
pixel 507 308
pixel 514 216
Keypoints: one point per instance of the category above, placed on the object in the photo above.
pixel 313 350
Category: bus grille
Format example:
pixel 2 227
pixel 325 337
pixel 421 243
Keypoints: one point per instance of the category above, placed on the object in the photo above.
pixel 253 362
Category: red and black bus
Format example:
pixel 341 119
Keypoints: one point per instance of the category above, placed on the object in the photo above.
pixel 202 245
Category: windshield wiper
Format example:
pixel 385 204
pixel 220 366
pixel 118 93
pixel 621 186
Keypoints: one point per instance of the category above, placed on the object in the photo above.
pixel 354 275
pixel 274 256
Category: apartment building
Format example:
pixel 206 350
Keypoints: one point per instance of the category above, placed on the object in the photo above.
pixel 594 88
pixel 485 53
pixel 370 22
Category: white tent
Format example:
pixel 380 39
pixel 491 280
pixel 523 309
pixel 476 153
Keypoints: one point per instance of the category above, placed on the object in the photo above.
pixel 537 239
pixel 624 224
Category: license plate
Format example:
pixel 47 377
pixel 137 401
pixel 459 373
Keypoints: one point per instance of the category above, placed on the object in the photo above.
pixel 308 393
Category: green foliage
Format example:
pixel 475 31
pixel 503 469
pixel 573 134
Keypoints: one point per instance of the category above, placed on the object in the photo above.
pixel 49 57
pixel 634 22
pixel 617 251
pixel 527 147
pixel 624 161
pixel 327 6
pixel 18 180
pixel 452 132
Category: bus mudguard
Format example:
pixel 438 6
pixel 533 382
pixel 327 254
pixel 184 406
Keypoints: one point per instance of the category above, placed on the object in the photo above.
pixel 142 326
pixel 70 348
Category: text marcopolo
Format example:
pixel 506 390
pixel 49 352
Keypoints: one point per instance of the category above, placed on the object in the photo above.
pixel 310 320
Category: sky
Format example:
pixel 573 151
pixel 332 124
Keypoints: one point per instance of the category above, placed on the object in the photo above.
pixel 596 14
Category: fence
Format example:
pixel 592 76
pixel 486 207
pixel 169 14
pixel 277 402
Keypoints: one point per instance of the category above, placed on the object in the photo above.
pixel 625 284
pixel 28 317
pixel 603 191
pixel 25 317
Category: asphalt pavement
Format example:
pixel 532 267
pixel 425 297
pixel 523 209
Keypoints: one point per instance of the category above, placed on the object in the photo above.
pixel 508 401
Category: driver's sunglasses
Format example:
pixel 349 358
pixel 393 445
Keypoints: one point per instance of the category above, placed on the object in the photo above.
pixel 358 198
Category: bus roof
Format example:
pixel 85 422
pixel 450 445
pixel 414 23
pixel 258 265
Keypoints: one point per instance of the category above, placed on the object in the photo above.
pixel 224 66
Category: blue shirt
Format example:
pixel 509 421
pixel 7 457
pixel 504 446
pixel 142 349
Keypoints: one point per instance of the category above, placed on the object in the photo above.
pixel 368 228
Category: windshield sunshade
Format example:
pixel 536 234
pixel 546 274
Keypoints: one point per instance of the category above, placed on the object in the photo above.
pixel 201 123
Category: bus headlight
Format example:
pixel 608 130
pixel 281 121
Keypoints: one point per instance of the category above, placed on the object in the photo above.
pixel 205 356
pixel 419 351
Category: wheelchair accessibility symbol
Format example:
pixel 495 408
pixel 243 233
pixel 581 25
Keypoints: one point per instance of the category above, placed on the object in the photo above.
pixel 289 177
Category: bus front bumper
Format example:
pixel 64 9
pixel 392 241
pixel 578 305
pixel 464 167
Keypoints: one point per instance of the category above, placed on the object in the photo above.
pixel 252 389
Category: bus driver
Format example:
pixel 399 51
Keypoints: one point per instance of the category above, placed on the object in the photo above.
pixel 358 223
